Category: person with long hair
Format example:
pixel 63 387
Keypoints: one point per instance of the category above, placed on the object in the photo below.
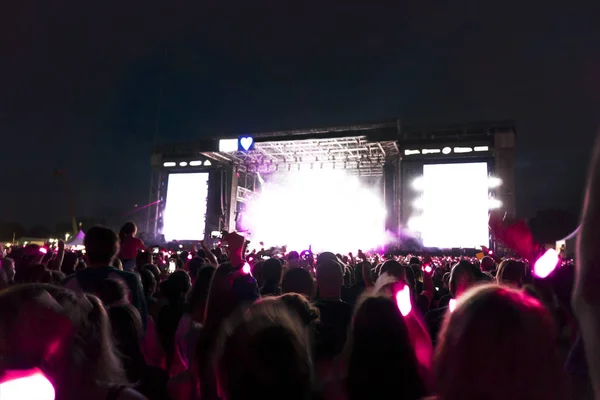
pixel 498 343
pixel 66 336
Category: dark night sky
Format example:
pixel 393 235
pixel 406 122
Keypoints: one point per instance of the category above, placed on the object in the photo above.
pixel 79 84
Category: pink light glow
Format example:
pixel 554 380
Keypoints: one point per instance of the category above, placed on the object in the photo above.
pixel 546 263
pixel 27 385
pixel 43 250
pixel 403 301
pixel 189 257
pixel 246 268
pixel 428 269
pixel 452 305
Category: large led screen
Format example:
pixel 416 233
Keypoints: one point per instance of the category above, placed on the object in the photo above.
pixel 184 216
pixel 455 205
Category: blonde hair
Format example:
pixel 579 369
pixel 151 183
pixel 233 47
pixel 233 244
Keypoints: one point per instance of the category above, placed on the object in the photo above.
pixel 499 343
pixel 86 347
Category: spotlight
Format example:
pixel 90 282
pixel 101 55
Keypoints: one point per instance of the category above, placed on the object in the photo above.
pixel 169 164
pixel 494 182
pixel 207 163
pixel 494 203
pixel 183 164
pixel 419 203
pixel 418 183
pixel 446 150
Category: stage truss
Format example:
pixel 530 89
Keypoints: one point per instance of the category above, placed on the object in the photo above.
pixel 355 154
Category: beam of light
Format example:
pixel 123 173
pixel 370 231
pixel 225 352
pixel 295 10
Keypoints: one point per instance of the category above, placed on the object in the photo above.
pixel 138 209
pixel 331 210
pixel 31 386
pixel 455 217
pixel 403 301
pixel 185 209
pixel 452 305
pixel 546 263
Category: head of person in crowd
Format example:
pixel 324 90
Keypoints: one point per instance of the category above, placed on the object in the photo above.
pixel 257 273
pixel 101 246
pixel 264 350
pixel 153 269
pixel 31 273
pixel 298 280
pixel 143 258
pixel 330 279
pixel 379 347
pixel 488 265
pixel 309 314
pixel 511 273
pixel 272 274
pixel 126 325
pixel 69 263
pixel 117 264
pixel 8 266
pixel 65 334
pixel 195 264
pixel 461 278
pixel 111 291
pixel 499 343
pixel 129 229
pixel 394 268
pixel 148 282
pixel 293 259
pixel 198 296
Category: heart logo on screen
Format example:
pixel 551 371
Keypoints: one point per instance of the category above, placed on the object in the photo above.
pixel 246 143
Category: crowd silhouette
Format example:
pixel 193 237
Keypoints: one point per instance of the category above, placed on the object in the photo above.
pixel 118 323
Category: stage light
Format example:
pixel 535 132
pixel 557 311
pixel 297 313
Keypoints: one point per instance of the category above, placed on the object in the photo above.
pixel 463 149
pixel 207 163
pixel 494 203
pixel 419 203
pixel 195 163
pixel 183 164
pixel 430 151
pixel 411 152
pixel 418 183
pixel 228 145
pixel 446 150
pixel 481 148
pixel 494 182
pixel 169 164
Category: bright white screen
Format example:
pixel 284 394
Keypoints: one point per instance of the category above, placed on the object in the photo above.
pixel 184 217
pixel 455 205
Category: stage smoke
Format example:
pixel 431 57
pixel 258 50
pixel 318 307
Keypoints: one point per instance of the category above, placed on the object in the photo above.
pixel 329 210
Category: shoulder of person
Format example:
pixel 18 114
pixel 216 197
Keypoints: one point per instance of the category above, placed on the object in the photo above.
pixel 130 394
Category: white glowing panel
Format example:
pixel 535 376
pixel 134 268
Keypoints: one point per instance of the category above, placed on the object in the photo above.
pixel 184 217
pixel 455 205
pixel 328 210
